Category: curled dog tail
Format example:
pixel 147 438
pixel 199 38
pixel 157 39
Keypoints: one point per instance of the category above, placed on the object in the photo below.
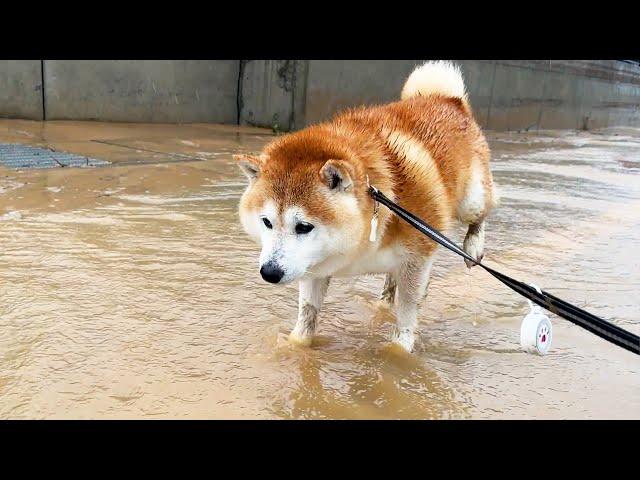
pixel 436 78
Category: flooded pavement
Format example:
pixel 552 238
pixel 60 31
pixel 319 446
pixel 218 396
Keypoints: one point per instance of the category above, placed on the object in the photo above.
pixel 131 291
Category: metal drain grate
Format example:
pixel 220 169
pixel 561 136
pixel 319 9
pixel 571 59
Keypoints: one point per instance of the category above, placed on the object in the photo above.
pixel 15 155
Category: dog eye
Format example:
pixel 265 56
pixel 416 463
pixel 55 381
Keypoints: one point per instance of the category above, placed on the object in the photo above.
pixel 267 223
pixel 303 228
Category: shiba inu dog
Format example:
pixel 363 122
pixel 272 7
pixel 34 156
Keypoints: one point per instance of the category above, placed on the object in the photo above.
pixel 307 201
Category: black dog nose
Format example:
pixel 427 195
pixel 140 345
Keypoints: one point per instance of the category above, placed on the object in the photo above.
pixel 271 272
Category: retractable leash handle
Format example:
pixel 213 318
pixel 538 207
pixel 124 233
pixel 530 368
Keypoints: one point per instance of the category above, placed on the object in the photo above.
pixel 536 331
pixel 582 318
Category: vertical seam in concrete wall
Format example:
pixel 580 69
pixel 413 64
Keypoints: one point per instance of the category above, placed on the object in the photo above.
pixel 583 122
pixel 493 82
pixel 294 77
pixel 241 64
pixel 44 104
pixel 300 94
pixel 543 97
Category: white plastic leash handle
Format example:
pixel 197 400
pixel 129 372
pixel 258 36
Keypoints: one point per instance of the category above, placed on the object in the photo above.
pixel 536 331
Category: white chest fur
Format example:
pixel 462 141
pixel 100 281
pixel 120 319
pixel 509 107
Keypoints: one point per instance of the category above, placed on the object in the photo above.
pixel 373 261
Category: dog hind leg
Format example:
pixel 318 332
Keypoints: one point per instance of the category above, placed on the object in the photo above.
pixel 474 208
pixel 413 280
pixel 474 242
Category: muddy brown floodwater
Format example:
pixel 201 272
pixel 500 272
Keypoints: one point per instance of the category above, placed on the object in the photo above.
pixel 131 291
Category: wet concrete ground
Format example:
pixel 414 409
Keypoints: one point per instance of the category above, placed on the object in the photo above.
pixel 131 291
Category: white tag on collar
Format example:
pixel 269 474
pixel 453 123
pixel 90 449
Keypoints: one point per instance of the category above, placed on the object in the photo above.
pixel 374 228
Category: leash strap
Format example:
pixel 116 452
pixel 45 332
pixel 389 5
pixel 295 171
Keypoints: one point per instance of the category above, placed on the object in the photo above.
pixel 582 318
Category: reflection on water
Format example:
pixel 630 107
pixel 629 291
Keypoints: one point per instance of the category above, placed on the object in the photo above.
pixel 132 292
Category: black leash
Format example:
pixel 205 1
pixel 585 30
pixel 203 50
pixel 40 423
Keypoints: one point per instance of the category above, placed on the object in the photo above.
pixel 586 320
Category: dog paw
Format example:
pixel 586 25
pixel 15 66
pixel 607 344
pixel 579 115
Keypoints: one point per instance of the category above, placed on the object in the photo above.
pixel 470 264
pixel 404 339
pixel 300 340
pixel 474 246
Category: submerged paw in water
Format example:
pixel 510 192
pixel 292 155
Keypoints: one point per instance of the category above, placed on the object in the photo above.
pixel 300 340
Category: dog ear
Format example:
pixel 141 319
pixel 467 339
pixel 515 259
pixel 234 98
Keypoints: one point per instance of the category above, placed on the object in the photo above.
pixel 249 164
pixel 335 175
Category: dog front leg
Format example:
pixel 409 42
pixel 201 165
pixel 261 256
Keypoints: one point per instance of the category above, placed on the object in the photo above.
pixel 311 296
pixel 413 280
pixel 389 289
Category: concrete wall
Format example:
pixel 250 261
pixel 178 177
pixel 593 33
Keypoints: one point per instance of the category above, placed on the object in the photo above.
pixel 272 93
pixel 505 94
pixel 21 89
pixel 175 91
pixel 333 85
pixel 289 94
